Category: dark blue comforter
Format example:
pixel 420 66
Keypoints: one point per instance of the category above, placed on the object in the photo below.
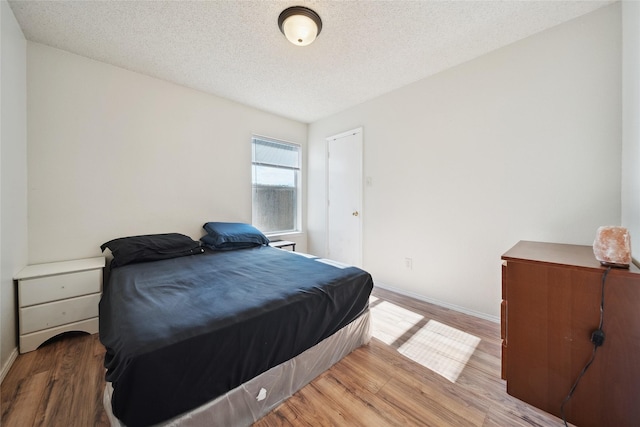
pixel 181 332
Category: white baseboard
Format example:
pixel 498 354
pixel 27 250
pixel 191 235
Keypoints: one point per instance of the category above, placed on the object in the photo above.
pixel 454 307
pixel 8 364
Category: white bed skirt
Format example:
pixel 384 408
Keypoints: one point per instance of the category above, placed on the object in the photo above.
pixel 252 400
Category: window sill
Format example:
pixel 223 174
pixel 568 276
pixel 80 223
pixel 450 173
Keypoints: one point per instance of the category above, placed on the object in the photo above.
pixel 288 233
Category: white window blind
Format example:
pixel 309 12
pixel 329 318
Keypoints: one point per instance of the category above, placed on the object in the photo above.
pixel 275 185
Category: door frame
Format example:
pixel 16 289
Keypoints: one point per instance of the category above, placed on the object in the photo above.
pixel 360 196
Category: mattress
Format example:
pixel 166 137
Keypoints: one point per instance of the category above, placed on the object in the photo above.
pixel 250 401
pixel 181 332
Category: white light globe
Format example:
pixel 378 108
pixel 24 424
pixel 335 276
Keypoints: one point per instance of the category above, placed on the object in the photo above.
pixel 300 30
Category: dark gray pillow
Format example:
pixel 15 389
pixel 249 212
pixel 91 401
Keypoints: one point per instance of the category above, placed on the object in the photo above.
pixel 150 247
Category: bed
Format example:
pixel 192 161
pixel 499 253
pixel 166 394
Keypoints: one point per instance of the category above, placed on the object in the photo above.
pixel 222 337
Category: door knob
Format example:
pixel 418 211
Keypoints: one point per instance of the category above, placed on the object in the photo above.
pixel 355 213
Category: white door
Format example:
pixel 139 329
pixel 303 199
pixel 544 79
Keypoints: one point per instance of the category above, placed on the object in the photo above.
pixel 344 197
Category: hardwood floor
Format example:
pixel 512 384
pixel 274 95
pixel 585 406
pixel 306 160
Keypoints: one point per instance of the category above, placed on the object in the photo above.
pixel 61 384
pixel 377 386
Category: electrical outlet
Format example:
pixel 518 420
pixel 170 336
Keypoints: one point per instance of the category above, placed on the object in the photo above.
pixel 408 262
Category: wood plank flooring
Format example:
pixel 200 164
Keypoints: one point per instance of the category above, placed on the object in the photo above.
pixel 61 384
pixel 377 386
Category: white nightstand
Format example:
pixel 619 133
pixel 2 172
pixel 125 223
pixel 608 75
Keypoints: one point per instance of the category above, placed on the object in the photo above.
pixel 58 297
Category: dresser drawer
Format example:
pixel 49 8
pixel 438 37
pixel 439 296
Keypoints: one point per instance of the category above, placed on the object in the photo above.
pixel 58 313
pixel 62 286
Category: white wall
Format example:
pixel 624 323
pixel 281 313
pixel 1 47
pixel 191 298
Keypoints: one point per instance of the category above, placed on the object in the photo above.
pixel 13 173
pixel 114 153
pixel 631 123
pixel 521 144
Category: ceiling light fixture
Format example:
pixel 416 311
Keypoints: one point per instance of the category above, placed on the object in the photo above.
pixel 300 25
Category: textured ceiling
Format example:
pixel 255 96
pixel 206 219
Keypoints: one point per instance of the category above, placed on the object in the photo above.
pixel 235 50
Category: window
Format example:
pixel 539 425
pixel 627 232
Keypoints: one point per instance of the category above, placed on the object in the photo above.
pixel 275 172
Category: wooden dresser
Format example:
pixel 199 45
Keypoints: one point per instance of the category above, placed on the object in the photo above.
pixel 551 304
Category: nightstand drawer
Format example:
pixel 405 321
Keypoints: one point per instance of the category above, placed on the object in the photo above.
pixel 58 313
pixel 61 286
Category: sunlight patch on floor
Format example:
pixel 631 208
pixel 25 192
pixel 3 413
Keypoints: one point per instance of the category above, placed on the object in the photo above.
pixel 441 348
pixel 391 323
pixel 434 345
